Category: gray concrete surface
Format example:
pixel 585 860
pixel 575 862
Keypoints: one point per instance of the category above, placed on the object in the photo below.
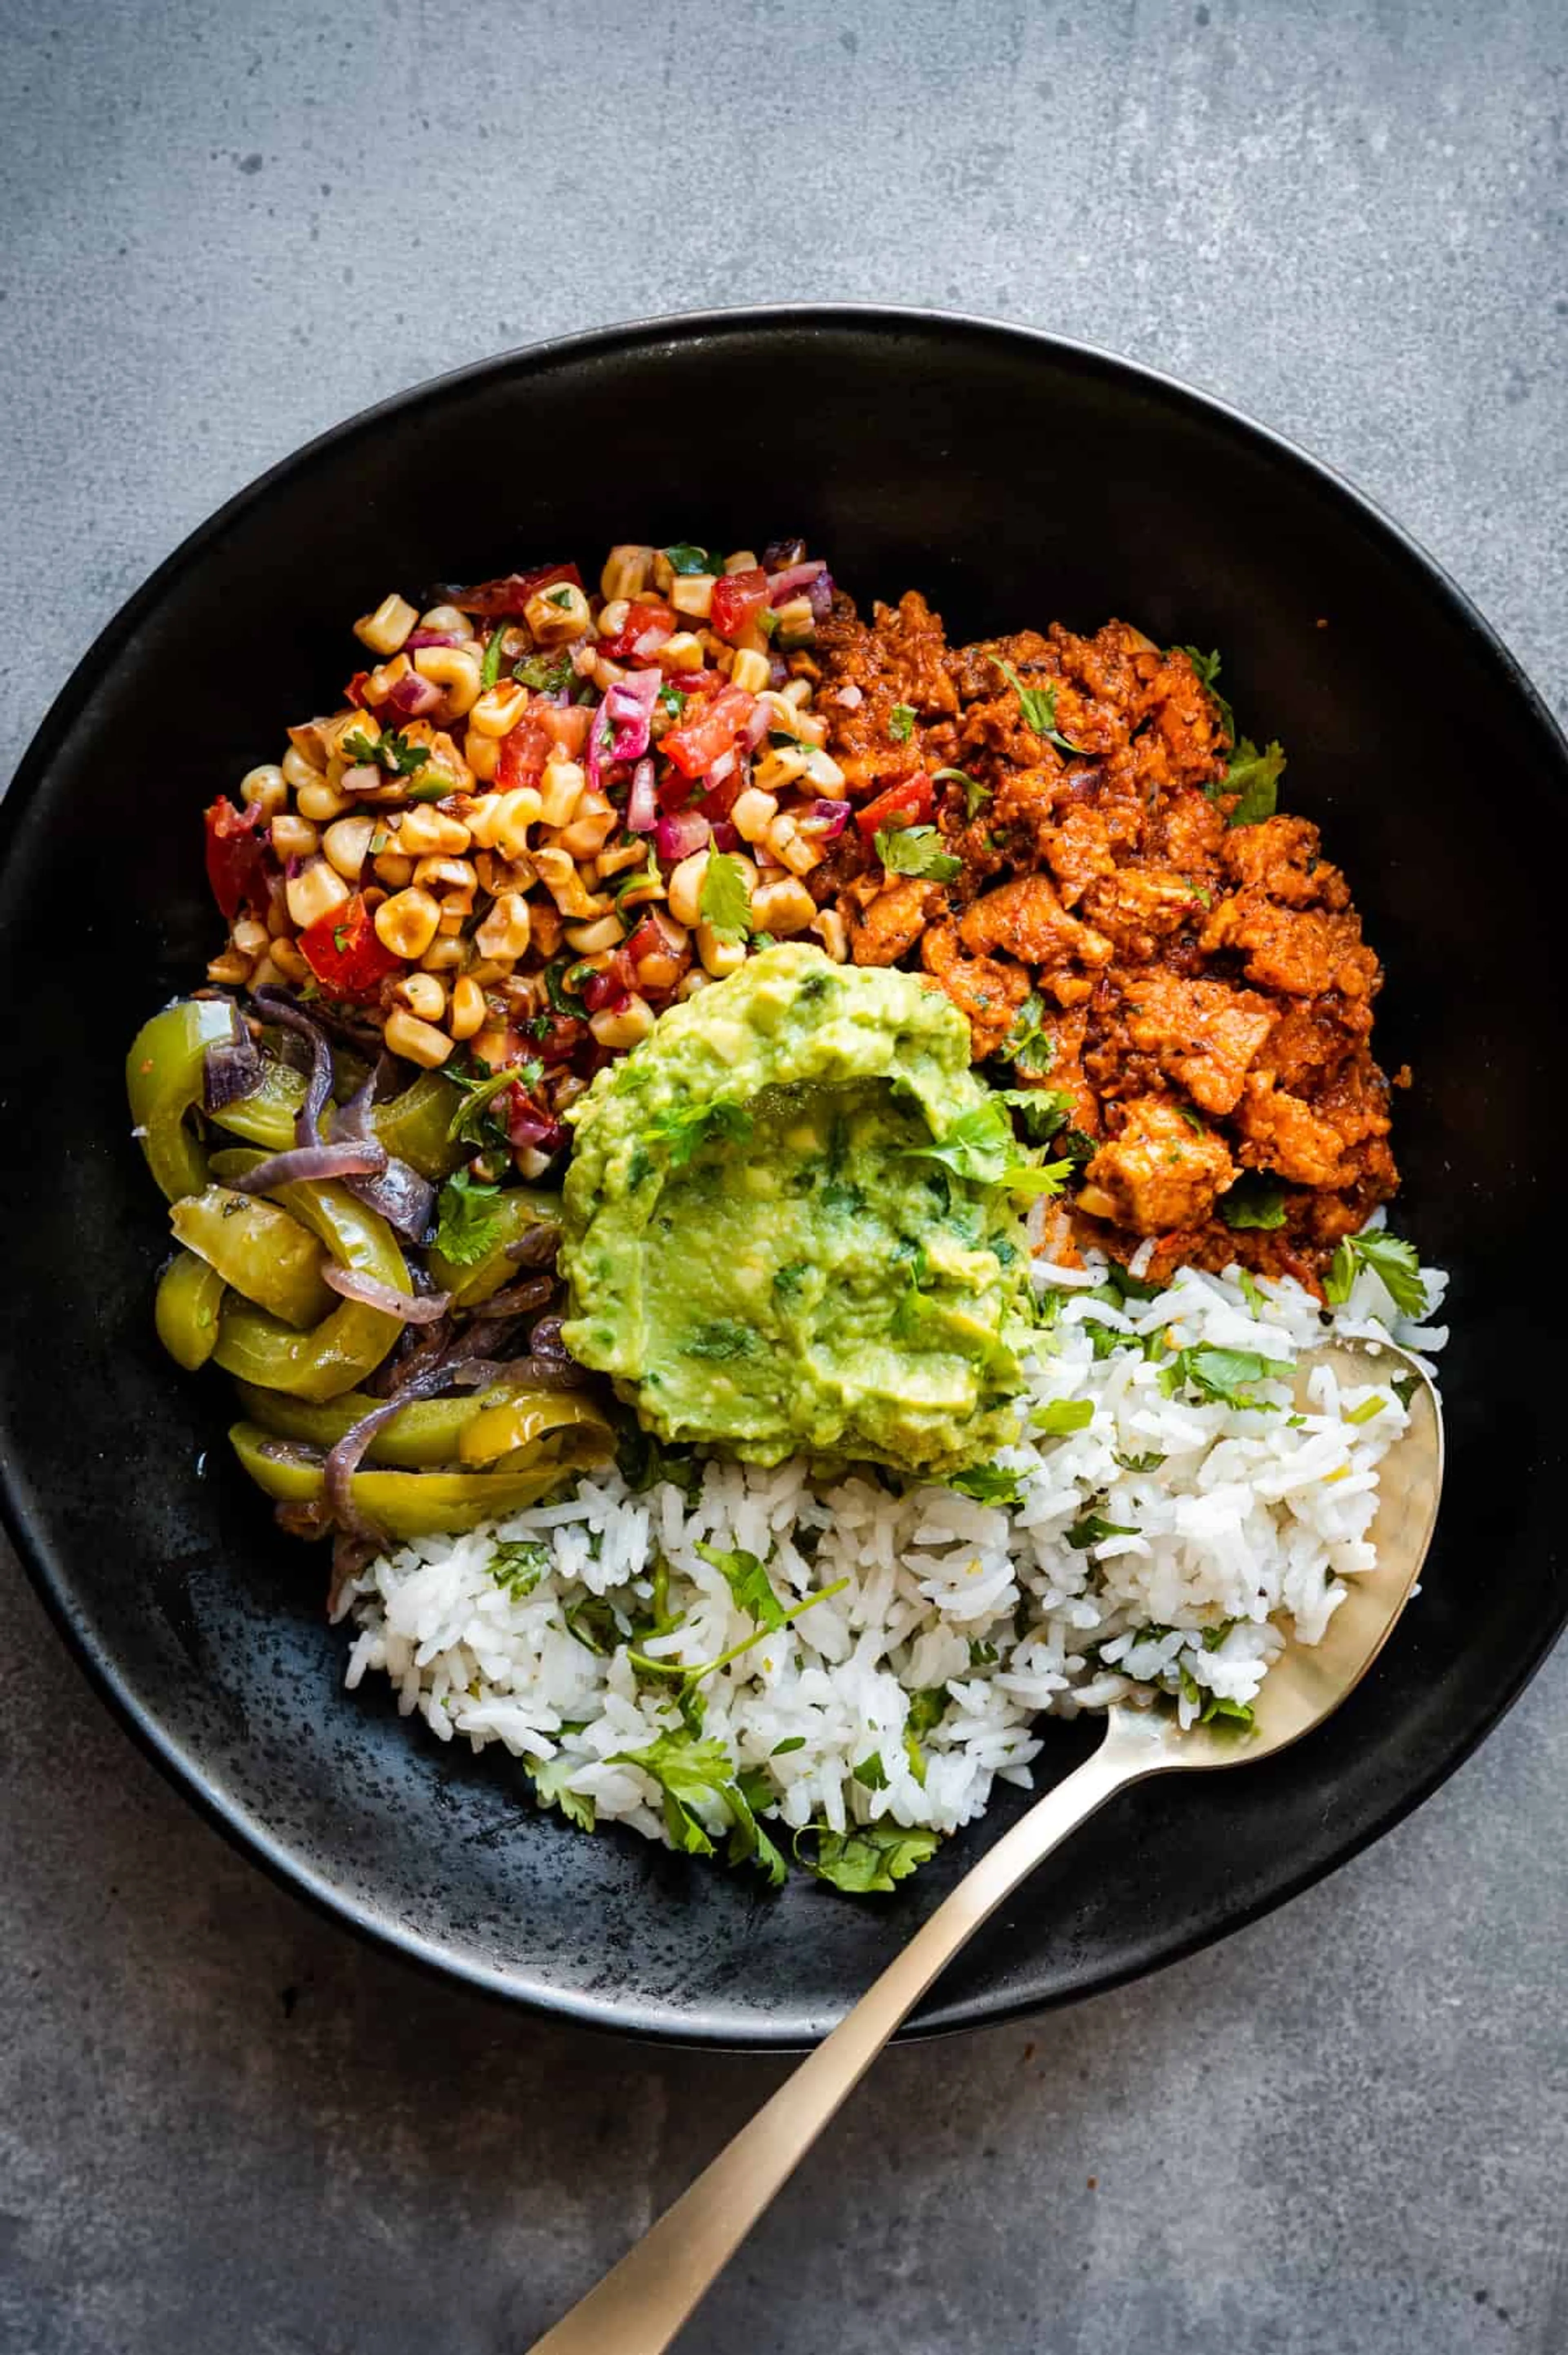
pixel 222 2123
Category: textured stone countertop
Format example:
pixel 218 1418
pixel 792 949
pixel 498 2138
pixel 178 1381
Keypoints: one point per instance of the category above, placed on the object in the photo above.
pixel 223 2123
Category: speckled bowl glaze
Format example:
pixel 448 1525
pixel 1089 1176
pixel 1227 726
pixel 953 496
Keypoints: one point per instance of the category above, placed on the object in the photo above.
pixel 1015 478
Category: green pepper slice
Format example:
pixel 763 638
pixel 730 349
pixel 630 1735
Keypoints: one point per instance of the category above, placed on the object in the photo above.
pixel 405 1503
pixel 518 1420
pixel 258 1249
pixel 419 1436
pixel 265 1116
pixel 414 1126
pixel 513 1212
pixel 185 1310
pixel 345 1347
pixel 165 1076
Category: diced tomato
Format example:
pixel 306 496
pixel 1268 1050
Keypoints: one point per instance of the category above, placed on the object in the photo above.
pixel 908 804
pixel 355 688
pixel 720 799
pixel 652 623
pixel 564 724
pixel 739 598
pixel 523 753
pixel 236 848
pixel 347 954
pixel 698 742
pixel 505 598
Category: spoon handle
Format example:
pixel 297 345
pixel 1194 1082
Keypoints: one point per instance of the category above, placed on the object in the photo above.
pixel 641 2304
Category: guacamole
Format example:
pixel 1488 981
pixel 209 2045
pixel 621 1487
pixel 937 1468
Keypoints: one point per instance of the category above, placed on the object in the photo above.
pixel 776 1239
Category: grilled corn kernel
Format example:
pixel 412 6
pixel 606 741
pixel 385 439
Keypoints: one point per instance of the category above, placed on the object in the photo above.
pixel 448 621
pixel 630 851
pixel 229 969
pixel 320 802
pixel 294 838
pixel 626 1025
pixel 454 879
pixel 719 956
pixel 612 620
pixel 684 887
pixel 798 692
pixel 347 843
pixel 314 892
pixel 829 930
pixel 682 651
pixel 501 821
pixel 446 954
pixel 424 996
pixel 783 908
pixel 795 620
pixel 625 573
pixel 750 671
pixel 558 873
pixel 753 813
pixel 498 710
pixel 605 673
pixel 663 572
pixel 785 765
pixel 418 1041
pixel 394 869
pixel 558 614
pixel 603 932
pixel 547 929
pixel 560 790
pixel 298 770
pixel 467 1008
pixel 743 561
pixel 407 923
pixel 792 850
pixel 505 930
pixel 454 670
pixel 267 787
pixel 696 979
pixel 248 937
pixel 820 775
pixel 593 824
pixel 484 756
pixel 384 630
pixel 692 593
pixel 426 832
pixel 285 954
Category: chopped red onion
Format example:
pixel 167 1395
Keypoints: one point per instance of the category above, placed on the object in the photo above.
pixel 601 991
pixel 642 808
pixel 517 1299
pixel 789 583
pixel 276 1007
pixel 629 703
pixel 395 1192
pixel 849 698
pixel 231 1067
pixel 826 820
pixel 820 593
pixel 545 1340
pixel 680 834
pixel 413 697
pixel 722 768
pixel 726 836
pixel 648 645
pixel 417 638
pixel 371 1292
pixel 757 725
pixel 527 1126
pixel 308 1165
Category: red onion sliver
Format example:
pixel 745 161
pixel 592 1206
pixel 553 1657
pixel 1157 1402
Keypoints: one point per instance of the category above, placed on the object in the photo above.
pixel 757 725
pixel 642 808
pixel 783 585
pixel 680 834
pixel 305 1165
pixel 371 1292
pixel 726 836
pixel 417 638
pixel 412 695
pixel 825 820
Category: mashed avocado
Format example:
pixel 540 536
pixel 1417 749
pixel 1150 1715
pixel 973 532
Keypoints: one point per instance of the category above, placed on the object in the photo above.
pixel 774 1243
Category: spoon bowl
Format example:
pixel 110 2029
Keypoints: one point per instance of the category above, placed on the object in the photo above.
pixel 642 2302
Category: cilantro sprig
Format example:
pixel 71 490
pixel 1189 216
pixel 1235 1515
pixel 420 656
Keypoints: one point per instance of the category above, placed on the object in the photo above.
pixel 1038 705
pixel 725 900
pixel 916 850
pixel 466 1222
pixel 1391 1259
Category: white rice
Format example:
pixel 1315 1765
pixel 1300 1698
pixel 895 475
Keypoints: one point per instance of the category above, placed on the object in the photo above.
pixel 1250 1524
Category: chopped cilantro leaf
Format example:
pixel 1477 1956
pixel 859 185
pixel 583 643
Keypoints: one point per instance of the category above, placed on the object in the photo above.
pixel 989 1484
pixel 490 668
pixel 748 1581
pixel 978 1145
pixel 685 1128
pixel 518 1567
pixel 871 1773
pixel 1391 1259
pixel 1255 777
pixel 916 850
pixel 391 752
pixel 725 1337
pixel 869 1860
pixel 1027 1046
pixel 1223 1374
pixel 791 1742
pixel 1093 1530
pixel 685 559
pixel 1062 1415
pixel 1041 1110
pixel 1253 1201
pixel 1208 669
pixel 1038 705
pixel 724 901
pixel 975 795
pixel 548 1776
pixel 466 1223
pixel 546 674
pixel 672 698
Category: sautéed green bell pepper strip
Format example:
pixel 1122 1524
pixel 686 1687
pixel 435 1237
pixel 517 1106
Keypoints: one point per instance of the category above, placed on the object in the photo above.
pixel 258 1249
pixel 508 1220
pixel 427 1432
pixel 265 1116
pixel 164 1078
pixel 184 1313
pixel 404 1504
pixel 413 1126
pixel 349 1343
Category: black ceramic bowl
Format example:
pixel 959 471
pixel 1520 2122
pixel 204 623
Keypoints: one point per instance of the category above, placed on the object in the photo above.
pixel 1014 478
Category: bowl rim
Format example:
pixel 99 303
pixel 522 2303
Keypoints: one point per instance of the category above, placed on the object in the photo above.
pixel 24 1523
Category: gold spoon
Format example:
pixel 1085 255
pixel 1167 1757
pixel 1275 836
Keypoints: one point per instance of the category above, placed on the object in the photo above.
pixel 641 2303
